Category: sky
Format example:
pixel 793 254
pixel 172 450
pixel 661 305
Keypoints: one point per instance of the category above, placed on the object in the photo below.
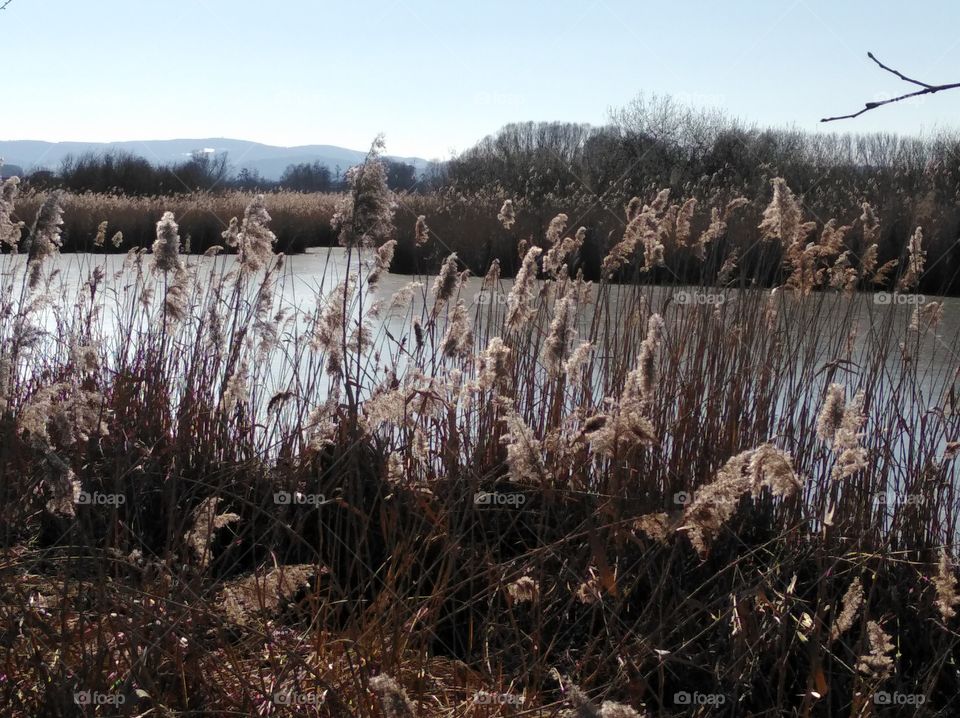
pixel 436 76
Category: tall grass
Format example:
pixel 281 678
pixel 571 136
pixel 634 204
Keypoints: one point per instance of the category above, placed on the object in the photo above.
pixel 636 496
pixel 466 222
pixel 300 220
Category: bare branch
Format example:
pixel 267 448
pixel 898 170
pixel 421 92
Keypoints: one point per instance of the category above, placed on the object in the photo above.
pixel 4 5
pixel 897 72
pixel 927 90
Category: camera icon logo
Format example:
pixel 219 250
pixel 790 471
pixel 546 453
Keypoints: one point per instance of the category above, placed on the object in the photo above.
pixel 286 498
pixel 495 498
pixel 682 498
pixel 685 698
pixel 489 296
pixel 85 498
pixel 898 298
pixel 94 698
pixel 884 698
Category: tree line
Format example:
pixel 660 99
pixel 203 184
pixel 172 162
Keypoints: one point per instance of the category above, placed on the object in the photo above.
pixel 127 173
pixel 649 145
pixel 654 142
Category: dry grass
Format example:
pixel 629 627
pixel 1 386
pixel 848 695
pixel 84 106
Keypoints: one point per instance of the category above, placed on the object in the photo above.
pixel 301 220
pixel 489 516
pixel 704 224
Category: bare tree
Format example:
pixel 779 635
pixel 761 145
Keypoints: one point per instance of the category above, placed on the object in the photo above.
pixel 927 89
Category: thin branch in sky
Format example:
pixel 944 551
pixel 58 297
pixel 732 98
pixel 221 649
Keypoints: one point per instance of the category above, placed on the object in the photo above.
pixel 927 89
pixel 4 5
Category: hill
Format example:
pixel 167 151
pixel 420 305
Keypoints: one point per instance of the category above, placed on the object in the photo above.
pixel 269 160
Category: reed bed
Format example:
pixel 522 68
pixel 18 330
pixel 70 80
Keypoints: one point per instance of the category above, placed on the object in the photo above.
pixel 300 220
pixel 465 222
pixel 637 496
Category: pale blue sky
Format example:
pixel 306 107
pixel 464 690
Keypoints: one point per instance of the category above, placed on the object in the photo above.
pixel 437 76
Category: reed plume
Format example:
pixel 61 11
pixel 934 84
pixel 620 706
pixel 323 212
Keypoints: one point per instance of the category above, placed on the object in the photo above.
pixel 876 664
pixel 166 248
pixel 206 520
pixel 44 241
pixel 644 378
pixel 507 214
pixel 750 471
pixel 556 228
pixel 364 216
pixel 714 231
pixel 916 258
pixel 871 228
pixel 558 254
pixel 945 583
pixel 382 259
pixel 524 452
pixel 684 221
pixel 421 232
pixel 393 699
pixel 255 239
pixel 493 365
pixel 627 424
pixel 521 295
pixel 558 335
pixel 574 366
pixel 926 317
pixel 101 237
pixel 446 284
pixel 852 600
pixel 782 217
pixel 524 590
pixel 832 412
pixel 458 339
pixel 262 592
pixel 10 230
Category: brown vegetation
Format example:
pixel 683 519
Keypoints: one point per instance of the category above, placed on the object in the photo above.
pixel 604 498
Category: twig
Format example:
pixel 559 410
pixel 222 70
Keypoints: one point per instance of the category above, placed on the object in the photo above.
pixel 927 90
pixel 4 6
pixel 897 72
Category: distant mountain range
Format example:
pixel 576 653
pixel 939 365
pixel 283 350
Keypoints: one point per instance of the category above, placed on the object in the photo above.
pixel 268 160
